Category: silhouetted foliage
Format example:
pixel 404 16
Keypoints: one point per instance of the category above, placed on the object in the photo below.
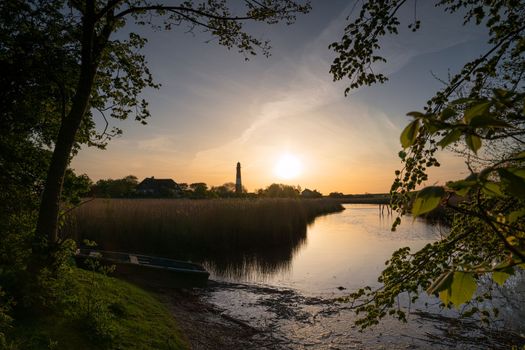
pixel 36 73
pixel 119 188
pixel 482 105
pixel 199 190
pixel 76 186
pixel 335 195
pixel 95 74
pixel 61 68
pixel 227 190
pixel 280 191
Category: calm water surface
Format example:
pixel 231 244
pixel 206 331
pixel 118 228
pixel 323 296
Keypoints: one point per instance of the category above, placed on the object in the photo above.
pixel 290 297
pixel 346 249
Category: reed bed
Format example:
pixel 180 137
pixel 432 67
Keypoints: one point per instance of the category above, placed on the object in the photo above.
pixel 196 229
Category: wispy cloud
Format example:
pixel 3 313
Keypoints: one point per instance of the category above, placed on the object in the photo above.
pixel 214 110
pixel 158 144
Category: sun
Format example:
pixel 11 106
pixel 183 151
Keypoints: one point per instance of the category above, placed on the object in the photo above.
pixel 288 166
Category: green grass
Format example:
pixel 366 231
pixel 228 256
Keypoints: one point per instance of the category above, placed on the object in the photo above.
pixel 196 229
pixel 134 318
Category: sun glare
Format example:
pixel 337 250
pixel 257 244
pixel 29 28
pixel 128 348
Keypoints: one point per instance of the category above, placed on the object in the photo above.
pixel 288 167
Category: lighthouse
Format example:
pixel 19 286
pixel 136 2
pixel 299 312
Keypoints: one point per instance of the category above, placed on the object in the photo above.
pixel 238 183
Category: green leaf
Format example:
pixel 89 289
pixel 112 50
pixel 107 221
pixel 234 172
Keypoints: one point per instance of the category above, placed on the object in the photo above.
pixel 416 115
pixel 500 93
pixel 461 101
pixel 500 277
pixel 514 183
pixel 519 155
pixel 427 199
pixel 473 142
pixel 451 137
pixel 515 215
pixel 476 110
pixel 409 134
pixel 484 174
pixel 432 126
pixel 444 296
pixel 518 172
pixel 487 121
pixel 513 241
pixel 461 289
pixel 447 113
pixel 492 189
pixel 462 187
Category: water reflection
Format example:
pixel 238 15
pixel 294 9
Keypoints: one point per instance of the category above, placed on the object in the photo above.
pixel 257 265
pixel 346 249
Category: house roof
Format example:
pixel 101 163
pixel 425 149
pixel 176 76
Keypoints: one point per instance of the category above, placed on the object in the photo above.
pixel 150 183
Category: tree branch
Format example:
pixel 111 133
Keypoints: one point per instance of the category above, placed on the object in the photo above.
pixel 137 9
pixel 480 60
pixel 509 246
pixel 483 216
pixel 110 6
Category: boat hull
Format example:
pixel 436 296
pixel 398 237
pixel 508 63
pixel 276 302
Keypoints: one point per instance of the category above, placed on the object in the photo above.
pixel 145 269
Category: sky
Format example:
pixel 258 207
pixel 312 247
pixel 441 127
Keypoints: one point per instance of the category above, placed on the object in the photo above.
pixel 282 117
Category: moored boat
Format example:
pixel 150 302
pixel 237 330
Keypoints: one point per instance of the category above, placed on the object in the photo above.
pixel 156 270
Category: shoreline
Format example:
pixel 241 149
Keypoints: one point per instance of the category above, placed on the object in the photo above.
pixel 230 316
pixel 205 325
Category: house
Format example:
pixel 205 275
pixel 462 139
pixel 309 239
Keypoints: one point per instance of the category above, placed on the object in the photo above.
pixel 152 187
pixel 307 193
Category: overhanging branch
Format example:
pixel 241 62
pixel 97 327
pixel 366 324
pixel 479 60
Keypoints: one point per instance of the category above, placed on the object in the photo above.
pixel 137 9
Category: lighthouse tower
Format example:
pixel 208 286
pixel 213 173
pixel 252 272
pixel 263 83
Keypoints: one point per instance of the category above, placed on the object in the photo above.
pixel 238 183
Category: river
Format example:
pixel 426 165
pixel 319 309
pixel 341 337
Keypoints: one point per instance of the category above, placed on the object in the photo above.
pixel 292 299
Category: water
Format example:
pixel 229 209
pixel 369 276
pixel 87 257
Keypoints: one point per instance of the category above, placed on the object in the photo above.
pixel 347 250
pixel 290 295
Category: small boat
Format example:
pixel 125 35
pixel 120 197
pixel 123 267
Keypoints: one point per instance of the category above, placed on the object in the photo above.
pixel 144 268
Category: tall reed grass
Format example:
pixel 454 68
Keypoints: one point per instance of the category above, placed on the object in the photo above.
pixel 197 229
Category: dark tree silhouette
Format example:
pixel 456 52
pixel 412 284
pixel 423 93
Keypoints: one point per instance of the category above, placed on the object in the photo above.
pixel 107 75
pixel 481 105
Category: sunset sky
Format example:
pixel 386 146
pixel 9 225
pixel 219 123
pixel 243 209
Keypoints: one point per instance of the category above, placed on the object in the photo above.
pixel 283 117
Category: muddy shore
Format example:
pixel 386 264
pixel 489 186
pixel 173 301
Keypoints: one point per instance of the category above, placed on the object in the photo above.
pixel 208 327
pixel 243 316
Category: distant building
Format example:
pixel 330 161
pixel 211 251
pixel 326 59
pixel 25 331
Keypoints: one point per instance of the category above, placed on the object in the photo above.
pixel 307 193
pixel 158 188
pixel 238 183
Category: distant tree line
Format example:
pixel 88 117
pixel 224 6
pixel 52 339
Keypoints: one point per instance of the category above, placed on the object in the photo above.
pixel 365 198
pixel 119 188
pixel 77 186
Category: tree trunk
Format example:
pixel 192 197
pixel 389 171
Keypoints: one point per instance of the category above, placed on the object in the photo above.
pixel 47 224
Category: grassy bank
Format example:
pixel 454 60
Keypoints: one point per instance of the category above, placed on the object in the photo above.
pixel 101 313
pixel 195 229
